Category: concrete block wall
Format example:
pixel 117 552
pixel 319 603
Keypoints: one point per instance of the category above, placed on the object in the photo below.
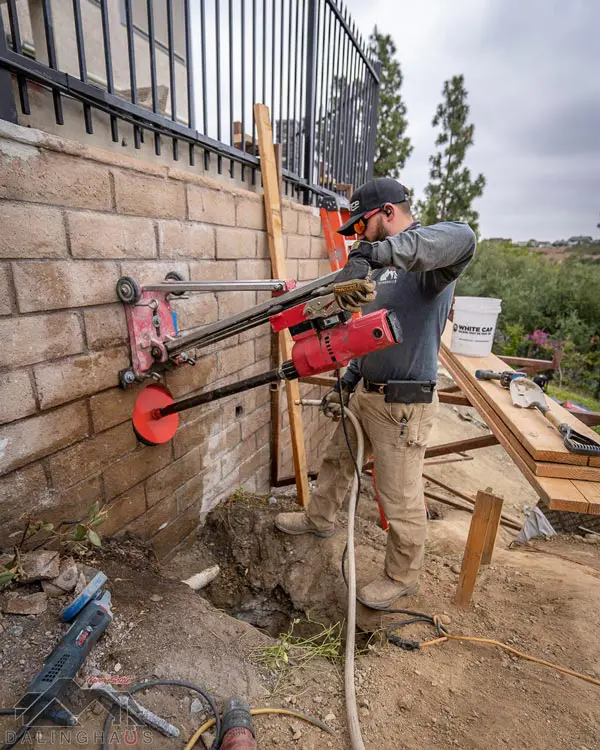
pixel 72 220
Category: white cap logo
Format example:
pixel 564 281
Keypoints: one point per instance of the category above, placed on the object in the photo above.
pixel 354 206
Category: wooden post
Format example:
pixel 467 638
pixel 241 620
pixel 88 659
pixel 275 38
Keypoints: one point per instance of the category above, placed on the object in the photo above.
pixel 492 531
pixel 274 228
pixel 486 515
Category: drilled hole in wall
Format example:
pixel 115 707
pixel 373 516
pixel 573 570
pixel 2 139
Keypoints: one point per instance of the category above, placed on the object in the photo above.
pixel 239 411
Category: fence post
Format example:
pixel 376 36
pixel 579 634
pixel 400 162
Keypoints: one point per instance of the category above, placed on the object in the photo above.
pixel 373 129
pixel 8 109
pixel 311 92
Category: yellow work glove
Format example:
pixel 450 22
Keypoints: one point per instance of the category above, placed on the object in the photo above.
pixel 351 295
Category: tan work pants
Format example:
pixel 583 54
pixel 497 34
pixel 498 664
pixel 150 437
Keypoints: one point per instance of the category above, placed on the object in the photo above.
pixel 396 435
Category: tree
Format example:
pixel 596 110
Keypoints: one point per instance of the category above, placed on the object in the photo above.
pixel 451 190
pixel 392 147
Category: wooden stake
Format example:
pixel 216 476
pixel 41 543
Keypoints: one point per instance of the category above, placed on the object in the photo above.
pixel 483 515
pixel 274 228
pixel 492 531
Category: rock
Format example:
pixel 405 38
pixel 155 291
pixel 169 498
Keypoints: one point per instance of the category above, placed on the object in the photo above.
pixel 16 630
pixel 65 581
pixel 31 604
pixel 38 565
pixel 118 667
pixel 445 619
pixel 81 584
pixel 209 738
pixel 455 569
pixel 592 539
pixel 317 699
pixel 197 706
pixel 156 598
pixel 330 717
pixel 296 733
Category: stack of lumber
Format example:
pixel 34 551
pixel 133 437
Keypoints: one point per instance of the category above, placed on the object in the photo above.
pixel 566 481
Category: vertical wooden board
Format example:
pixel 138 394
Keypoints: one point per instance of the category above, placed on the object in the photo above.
pixel 492 530
pixel 272 199
pixel 474 548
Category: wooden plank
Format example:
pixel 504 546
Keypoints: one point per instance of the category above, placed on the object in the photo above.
pixel 474 548
pixel 453 398
pixel 492 531
pixel 275 232
pixel 560 494
pixel 590 418
pixel 467 508
pixel 469 444
pixel 324 380
pixel 538 436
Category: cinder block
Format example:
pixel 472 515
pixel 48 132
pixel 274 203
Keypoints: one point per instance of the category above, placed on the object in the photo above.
pixel 31 231
pixel 29 174
pixel 112 407
pixel 250 213
pixel 213 270
pixel 101 236
pixel 152 272
pixel 303 221
pixel 254 421
pixel 291 266
pixel 211 206
pixel 254 269
pixel 38 338
pixel 69 379
pixel 176 532
pixel 50 285
pixel 235 243
pixel 231 303
pixel 308 270
pixel 289 218
pixel 24 490
pixel 124 510
pixel 298 246
pixel 234 359
pixel 150 522
pixel 316 225
pixel 262 346
pixel 178 239
pixel 105 326
pixel 236 456
pixel 262 245
pixel 324 267
pixel 6 301
pixel 184 379
pixel 318 248
pixel 42 434
pixel 16 396
pixel 198 310
pixel 75 502
pixel 197 433
pixel 134 468
pixel 90 456
pixel 192 492
pixel 162 484
pixel 149 196
pixel 247 468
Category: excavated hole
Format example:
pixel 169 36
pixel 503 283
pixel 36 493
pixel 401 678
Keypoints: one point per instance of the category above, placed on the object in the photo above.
pixel 252 585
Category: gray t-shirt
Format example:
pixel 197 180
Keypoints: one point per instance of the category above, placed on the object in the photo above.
pixel 422 266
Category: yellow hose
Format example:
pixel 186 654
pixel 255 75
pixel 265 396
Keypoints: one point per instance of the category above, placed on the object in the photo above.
pixel 259 712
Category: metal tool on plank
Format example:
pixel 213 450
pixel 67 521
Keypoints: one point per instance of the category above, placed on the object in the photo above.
pixel 504 377
pixel 129 705
pixel 527 394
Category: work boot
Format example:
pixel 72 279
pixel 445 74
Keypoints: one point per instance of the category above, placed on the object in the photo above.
pixel 299 523
pixel 383 591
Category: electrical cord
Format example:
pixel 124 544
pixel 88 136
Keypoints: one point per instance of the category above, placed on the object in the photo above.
pixel 179 683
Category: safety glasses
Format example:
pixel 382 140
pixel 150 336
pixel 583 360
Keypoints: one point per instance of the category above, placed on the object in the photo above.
pixel 360 225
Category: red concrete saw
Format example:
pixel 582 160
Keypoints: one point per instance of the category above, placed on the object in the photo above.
pixel 325 338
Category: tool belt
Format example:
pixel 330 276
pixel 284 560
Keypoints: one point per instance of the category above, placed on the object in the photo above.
pixel 402 391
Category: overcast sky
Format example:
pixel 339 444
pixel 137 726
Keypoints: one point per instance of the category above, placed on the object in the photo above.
pixel 532 70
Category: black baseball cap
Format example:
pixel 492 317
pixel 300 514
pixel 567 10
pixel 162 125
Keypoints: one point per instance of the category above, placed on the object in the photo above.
pixel 373 194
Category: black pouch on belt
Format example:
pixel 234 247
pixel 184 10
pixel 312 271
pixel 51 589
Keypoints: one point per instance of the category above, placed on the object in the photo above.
pixel 409 391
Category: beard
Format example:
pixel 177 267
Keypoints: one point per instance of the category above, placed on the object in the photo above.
pixel 382 232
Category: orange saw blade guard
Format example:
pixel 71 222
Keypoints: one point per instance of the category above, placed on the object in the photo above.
pixel 148 425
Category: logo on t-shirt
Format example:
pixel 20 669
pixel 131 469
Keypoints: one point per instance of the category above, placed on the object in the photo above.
pixel 389 276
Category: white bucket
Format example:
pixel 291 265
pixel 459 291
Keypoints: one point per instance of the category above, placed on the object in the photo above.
pixel 474 325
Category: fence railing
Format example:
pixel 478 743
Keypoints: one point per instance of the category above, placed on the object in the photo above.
pixel 189 71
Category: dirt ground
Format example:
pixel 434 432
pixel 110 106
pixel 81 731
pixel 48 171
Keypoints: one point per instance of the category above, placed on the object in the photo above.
pixel 456 694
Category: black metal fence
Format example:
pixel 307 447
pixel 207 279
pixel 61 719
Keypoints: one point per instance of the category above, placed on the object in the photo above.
pixel 189 71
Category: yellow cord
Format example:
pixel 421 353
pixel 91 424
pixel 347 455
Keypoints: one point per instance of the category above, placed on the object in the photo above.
pixel 528 657
pixel 259 712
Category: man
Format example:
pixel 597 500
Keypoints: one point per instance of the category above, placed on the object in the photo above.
pixel 415 270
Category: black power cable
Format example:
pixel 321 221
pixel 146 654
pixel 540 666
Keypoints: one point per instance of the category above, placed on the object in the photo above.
pixel 413 616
